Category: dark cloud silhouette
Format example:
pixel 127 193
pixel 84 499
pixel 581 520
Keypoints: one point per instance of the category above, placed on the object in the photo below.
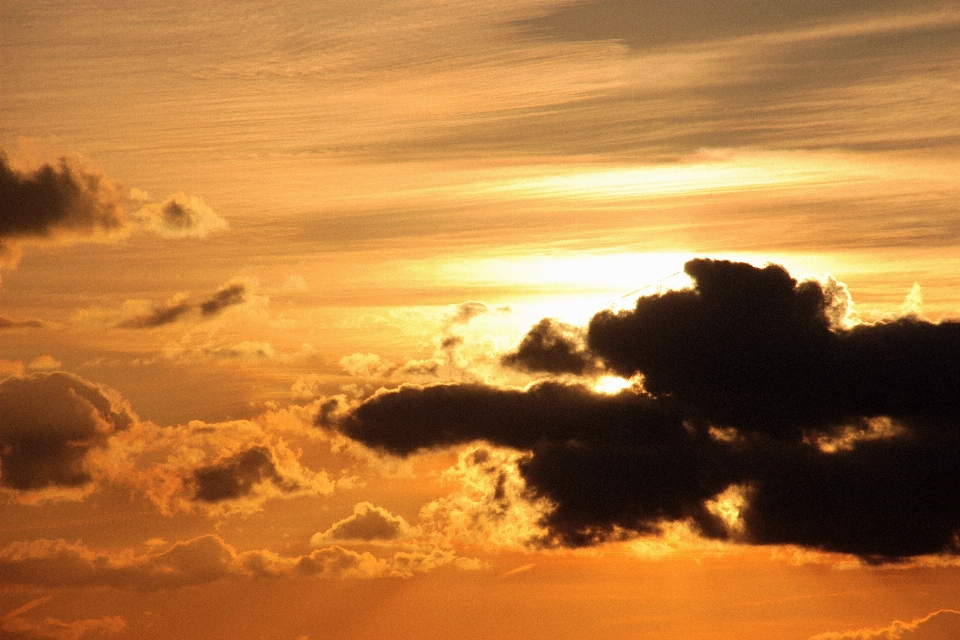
pixel 551 347
pixel 48 425
pixel 755 349
pixel 644 24
pixel 158 317
pixel 237 475
pixel 7 323
pixel 57 199
pixel 833 438
pixel 467 311
pixel 226 296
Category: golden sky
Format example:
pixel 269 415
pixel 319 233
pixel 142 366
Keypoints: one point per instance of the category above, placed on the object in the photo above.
pixel 443 319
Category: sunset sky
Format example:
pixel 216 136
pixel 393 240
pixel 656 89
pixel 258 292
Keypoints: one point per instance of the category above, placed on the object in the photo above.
pixel 522 319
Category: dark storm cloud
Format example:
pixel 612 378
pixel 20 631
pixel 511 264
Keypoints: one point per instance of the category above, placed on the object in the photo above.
pixel 642 23
pixel 838 439
pixel 552 347
pixel 226 296
pixel 48 425
pixel 158 317
pixel 237 475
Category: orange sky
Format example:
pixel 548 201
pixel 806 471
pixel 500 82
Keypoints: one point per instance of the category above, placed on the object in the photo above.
pixel 226 226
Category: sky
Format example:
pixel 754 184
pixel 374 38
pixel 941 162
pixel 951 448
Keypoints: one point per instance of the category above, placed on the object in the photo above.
pixel 519 319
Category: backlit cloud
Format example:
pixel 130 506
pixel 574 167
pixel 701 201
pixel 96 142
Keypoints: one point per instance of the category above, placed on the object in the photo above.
pixel 367 524
pixel 49 423
pixel 763 419
pixel 939 625
pixel 180 216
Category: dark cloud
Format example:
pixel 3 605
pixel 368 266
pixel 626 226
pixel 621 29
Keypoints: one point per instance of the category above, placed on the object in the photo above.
pixel 7 323
pixel 552 347
pixel 48 425
pixel 368 523
pixel 643 24
pixel 755 349
pixel 467 311
pixel 226 296
pixel 57 199
pixel 237 475
pixel 158 317
pixel 832 438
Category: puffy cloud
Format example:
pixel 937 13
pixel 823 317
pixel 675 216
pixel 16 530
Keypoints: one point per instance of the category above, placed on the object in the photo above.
pixel 764 417
pixel 753 348
pixel 66 201
pixel 553 347
pixel 939 625
pixel 49 424
pixel 367 524
pixel 180 216
pixel 44 362
pixel 202 560
pixel 226 296
pixel 236 475
pixel 467 311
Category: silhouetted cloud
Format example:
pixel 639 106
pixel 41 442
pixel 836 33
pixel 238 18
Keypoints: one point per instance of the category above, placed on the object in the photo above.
pixel 552 347
pixel 226 296
pixel 158 317
pixel 764 419
pixel 236 475
pixel 367 524
pixel 65 200
pixel 48 425
pixel 7 323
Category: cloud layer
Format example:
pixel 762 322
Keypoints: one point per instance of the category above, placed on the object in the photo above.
pixel 764 419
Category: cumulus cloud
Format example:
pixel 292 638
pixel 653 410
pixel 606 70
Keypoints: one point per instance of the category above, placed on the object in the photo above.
pixel 236 475
pixel 68 201
pixel 180 216
pixel 939 625
pixel 367 524
pixel 552 347
pixel 763 418
pixel 49 424
pixel 202 560
pixel 64 201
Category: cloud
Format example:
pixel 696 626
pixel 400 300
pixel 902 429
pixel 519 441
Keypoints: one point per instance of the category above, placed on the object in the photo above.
pixel 236 475
pixel 230 294
pixel 64 201
pixel 939 625
pixel 763 418
pixel 643 25
pixel 13 626
pixel 367 524
pixel 467 311
pixel 202 560
pixel 158 317
pixel 44 362
pixel 7 323
pixel 49 423
pixel 226 296
pixel 552 347
pixel 180 216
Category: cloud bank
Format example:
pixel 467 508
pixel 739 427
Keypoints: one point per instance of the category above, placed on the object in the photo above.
pixel 764 419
